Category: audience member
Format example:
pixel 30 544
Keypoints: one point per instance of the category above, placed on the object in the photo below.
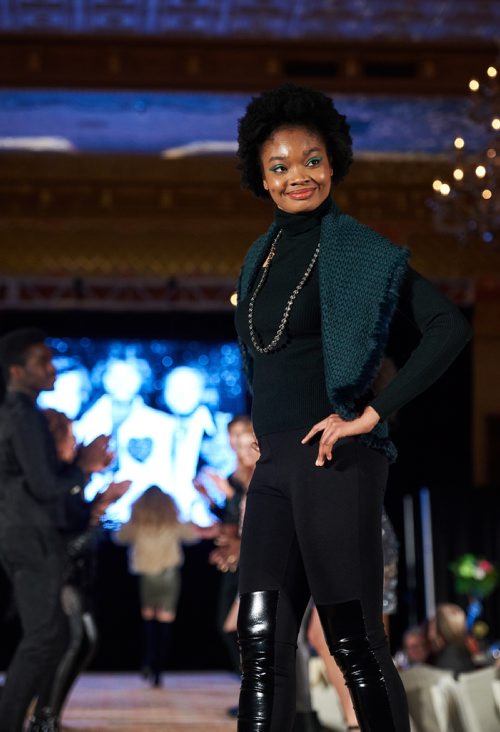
pixel 81 544
pixel 447 633
pixel 416 648
pixel 36 491
pixel 240 433
pixel 226 554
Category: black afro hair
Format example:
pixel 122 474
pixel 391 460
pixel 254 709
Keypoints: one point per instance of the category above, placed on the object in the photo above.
pixel 296 106
pixel 14 346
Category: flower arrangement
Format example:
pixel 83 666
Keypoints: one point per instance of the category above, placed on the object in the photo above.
pixel 474 576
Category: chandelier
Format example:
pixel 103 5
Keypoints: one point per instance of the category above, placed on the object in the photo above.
pixel 466 203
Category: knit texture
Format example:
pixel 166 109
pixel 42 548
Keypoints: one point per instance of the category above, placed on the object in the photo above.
pixel 360 275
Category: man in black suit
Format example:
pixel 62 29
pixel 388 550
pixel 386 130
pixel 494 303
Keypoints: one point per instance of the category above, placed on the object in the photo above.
pixel 37 494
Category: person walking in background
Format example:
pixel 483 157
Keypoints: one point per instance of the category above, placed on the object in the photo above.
pixel 37 492
pixel 155 536
pixel 316 296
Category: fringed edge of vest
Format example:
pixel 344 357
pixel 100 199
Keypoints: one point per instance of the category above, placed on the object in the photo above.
pixel 361 274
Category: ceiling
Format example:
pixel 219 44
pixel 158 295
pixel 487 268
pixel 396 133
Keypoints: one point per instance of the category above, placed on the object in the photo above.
pixel 283 19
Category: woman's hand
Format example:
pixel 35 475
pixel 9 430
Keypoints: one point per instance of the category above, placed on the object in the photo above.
pixel 227 553
pixel 334 428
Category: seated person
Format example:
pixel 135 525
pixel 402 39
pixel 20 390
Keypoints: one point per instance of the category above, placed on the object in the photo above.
pixel 416 648
pixel 447 633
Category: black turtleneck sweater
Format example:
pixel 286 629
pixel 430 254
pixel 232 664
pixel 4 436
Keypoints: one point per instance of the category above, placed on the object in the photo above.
pixel 289 385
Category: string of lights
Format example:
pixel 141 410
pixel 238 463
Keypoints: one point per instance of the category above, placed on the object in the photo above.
pixel 467 205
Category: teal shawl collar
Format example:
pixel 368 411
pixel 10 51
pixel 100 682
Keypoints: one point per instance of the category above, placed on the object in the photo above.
pixel 360 275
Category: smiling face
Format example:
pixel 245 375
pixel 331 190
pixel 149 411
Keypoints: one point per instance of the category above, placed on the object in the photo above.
pixel 296 170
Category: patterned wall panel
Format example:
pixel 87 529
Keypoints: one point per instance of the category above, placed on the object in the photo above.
pixel 104 216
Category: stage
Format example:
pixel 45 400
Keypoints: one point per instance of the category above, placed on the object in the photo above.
pixel 187 702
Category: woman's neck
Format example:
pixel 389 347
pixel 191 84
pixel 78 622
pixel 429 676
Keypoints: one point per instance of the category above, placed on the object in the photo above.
pixel 297 223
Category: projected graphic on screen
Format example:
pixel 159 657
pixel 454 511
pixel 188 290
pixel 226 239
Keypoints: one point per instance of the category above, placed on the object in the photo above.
pixel 166 405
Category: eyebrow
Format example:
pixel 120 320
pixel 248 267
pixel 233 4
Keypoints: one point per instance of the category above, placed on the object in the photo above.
pixel 305 154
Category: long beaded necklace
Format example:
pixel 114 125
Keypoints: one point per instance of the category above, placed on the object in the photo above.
pixel 286 314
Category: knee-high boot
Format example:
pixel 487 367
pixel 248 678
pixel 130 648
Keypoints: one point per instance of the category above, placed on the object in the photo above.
pixel 346 635
pixel 256 638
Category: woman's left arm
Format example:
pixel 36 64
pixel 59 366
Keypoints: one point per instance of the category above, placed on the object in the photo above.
pixel 445 332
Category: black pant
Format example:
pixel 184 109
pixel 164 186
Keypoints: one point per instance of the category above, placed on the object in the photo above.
pixel 82 645
pixel 228 589
pixel 37 592
pixel 317 530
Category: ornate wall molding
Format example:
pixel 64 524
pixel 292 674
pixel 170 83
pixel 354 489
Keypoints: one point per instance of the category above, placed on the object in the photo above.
pixel 184 294
pixel 365 67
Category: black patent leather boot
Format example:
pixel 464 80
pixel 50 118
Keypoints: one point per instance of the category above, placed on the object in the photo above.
pixel 256 633
pixel 345 633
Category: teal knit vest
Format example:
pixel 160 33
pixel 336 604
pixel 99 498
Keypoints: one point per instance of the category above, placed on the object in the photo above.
pixel 360 275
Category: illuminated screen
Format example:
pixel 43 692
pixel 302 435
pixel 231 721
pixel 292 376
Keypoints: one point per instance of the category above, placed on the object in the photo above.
pixel 166 405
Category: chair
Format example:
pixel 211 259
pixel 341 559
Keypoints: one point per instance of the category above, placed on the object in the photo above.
pixel 443 695
pixel 324 698
pixel 413 726
pixel 496 693
pixel 476 702
pixel 418 682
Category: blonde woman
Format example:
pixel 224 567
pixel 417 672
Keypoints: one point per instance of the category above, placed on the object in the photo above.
pixel 155 536
pixel 447 633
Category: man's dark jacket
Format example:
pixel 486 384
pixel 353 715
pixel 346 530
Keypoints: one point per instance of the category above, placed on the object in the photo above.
pixel 38 492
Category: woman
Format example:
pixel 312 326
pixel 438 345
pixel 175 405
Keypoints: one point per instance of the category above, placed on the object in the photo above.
pixel 156 535
pixel 316 296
